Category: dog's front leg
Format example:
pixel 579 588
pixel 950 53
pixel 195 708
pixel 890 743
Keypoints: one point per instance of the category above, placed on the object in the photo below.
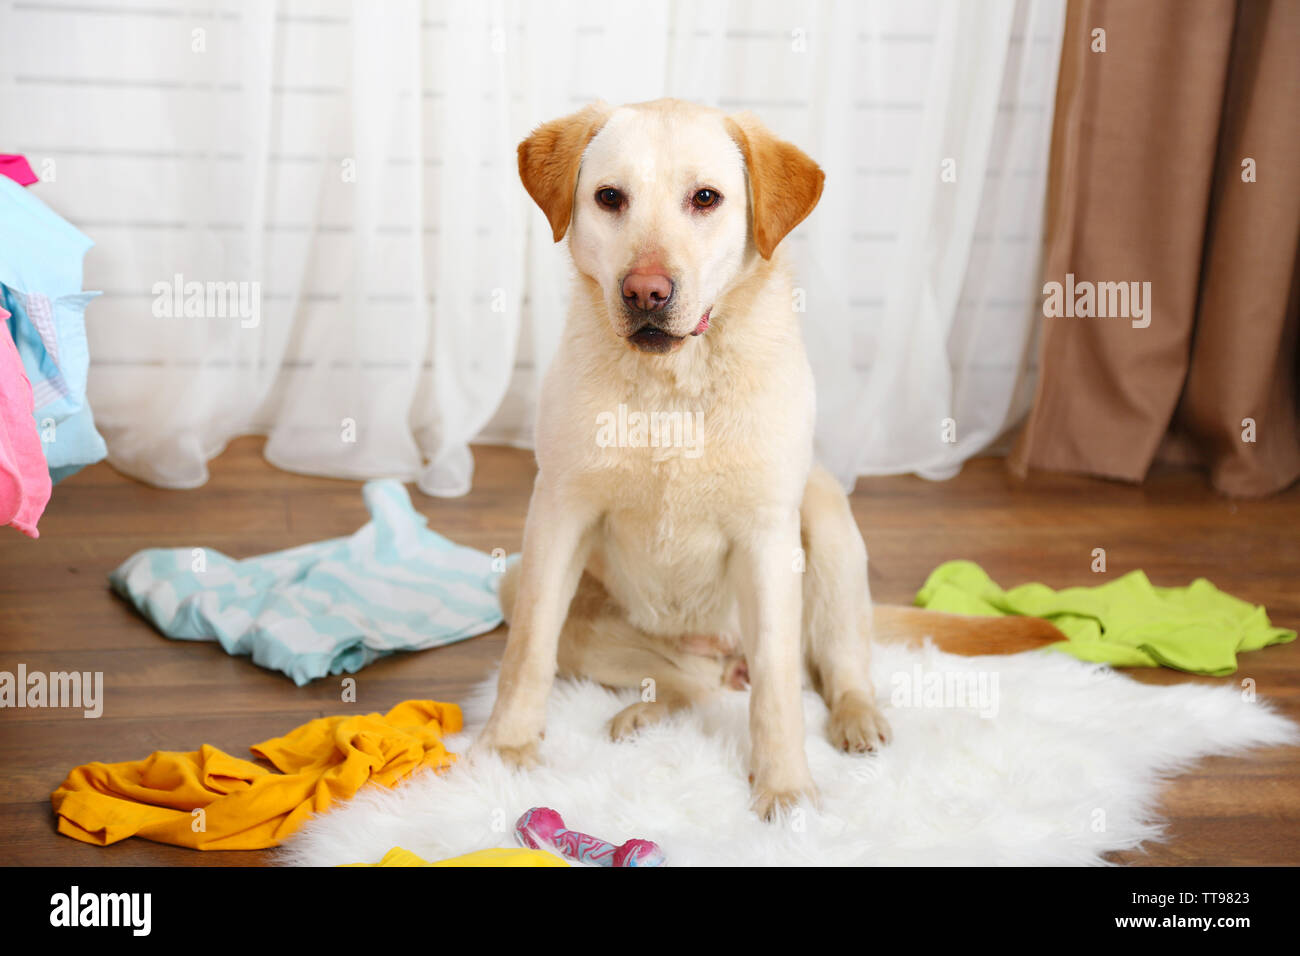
pixel 769 589
pixel 555 543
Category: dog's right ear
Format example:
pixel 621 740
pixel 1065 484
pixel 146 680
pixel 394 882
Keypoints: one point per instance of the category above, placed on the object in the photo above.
pixel 784 183
pixel 549 161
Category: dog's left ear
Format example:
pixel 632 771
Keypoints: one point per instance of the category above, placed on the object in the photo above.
pixel 549 161
pixel 784 182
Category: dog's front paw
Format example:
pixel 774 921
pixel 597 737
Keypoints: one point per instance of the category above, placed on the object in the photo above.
pixel 771 801
pixel 515 750
pixel 519 756
pixel 857 725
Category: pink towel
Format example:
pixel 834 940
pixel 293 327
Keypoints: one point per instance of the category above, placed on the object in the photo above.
pixel 24 477
pixel 17 168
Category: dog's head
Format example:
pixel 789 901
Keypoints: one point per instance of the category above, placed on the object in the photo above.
pixel 665 204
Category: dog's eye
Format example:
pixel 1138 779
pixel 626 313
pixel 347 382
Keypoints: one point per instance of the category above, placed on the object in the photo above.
pixel 704 198
pixel 609 197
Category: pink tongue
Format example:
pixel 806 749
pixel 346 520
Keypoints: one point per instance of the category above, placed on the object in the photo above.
pixel 704 324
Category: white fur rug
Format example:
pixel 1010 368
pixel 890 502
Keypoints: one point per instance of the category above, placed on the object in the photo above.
pixel 1064 765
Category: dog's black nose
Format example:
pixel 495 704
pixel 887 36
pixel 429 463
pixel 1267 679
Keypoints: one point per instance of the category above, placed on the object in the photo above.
pixel 647 292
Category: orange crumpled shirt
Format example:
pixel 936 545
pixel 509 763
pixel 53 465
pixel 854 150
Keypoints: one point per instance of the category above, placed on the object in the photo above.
pixel 244 805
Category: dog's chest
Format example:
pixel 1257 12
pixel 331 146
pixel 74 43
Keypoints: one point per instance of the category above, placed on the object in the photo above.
pixel 664 541
pixel 678 484
pixel 665 568
pixel 664 516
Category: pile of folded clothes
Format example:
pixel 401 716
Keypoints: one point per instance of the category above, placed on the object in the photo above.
pixel 47 431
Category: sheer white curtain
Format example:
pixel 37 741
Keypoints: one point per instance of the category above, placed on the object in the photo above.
pixel 350 168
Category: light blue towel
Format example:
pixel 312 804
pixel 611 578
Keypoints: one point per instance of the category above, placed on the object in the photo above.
pixel 40 283
pixel 325 608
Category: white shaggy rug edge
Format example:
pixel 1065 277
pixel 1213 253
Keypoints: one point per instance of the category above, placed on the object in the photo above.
pixel 1057 763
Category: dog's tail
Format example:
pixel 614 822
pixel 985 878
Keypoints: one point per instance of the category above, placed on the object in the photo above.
pixel 960 633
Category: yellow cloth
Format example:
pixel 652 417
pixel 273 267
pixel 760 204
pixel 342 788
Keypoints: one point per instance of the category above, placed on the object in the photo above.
pixel 498 856
pixel 246 806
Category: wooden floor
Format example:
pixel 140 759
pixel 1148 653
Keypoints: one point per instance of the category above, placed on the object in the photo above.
pixel 57 613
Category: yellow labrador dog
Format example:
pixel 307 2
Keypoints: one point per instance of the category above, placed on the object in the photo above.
pixel 710 550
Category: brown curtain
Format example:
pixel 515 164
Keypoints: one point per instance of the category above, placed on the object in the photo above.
pixel 1146 185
